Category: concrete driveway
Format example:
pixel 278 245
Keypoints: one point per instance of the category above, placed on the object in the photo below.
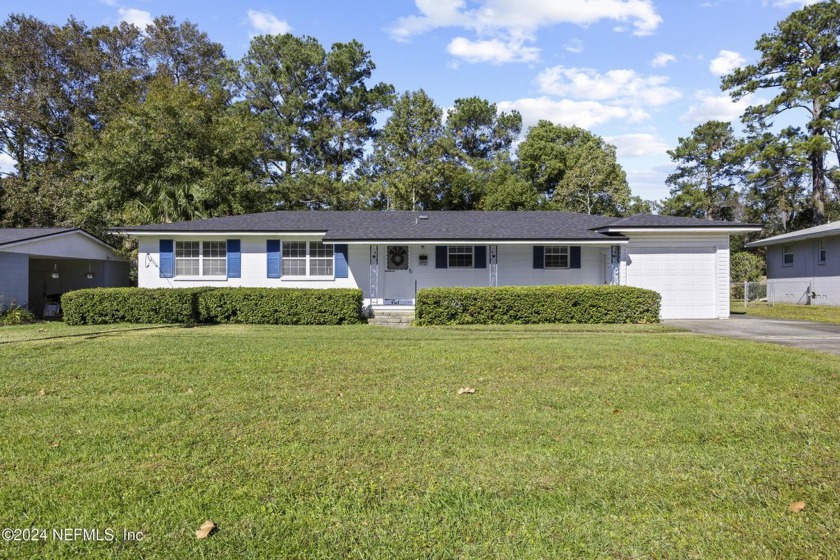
pixel 821 337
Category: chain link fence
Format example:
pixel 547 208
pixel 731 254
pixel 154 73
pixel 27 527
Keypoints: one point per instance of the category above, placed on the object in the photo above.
pixel 750 293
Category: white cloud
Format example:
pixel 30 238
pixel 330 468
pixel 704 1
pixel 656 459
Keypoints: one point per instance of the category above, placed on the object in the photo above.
pixel 575 46
pixel 726 62
pixel 494 50
pixel 622 86
pixel 139 18
pixel 662 59
pixel 265 23
pixel 512 16
pixel 649 183
pixel 585 114
pixel 637 145
pixel 710 106
pixel 797 3
pixel 7 164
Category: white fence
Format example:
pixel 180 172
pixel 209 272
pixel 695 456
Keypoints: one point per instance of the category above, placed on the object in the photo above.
pixel 751 292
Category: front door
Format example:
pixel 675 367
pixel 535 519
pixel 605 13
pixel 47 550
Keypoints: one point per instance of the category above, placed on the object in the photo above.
pixel 399 284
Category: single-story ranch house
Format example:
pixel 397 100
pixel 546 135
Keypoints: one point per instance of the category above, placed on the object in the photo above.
pixel 804 266
pixel 392 254
pixel 39 264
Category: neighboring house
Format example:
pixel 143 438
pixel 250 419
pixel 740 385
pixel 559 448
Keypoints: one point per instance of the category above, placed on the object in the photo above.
pixel 39 264
pixel 804 266
pixel 392 254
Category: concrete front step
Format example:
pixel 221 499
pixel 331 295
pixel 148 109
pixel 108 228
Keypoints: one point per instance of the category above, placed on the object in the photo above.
pixel 391 318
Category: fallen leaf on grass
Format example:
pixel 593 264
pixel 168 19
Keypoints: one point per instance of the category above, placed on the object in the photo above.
pixel 466 390
pixel 42 393
pixel 54 444
pixel 616 411
pixel 796 507
pixel 205 530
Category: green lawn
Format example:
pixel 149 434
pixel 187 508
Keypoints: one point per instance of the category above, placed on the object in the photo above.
pixel 326 442
pixel 818 313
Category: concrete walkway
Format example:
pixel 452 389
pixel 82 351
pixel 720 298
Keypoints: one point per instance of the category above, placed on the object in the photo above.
pixel 821 337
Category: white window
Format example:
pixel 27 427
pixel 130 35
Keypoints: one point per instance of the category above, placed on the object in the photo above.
pixel 294 258
pixel 214 258
pixel 307 258
pixel 201 258
pixel 787 259
pixel 556 256
pixel 460 256
pixel 821 252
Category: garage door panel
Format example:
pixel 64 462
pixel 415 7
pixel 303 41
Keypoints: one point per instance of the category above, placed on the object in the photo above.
pixel 684 277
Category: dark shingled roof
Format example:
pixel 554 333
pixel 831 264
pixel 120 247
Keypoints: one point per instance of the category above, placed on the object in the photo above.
pixel 15 235
pixel 410 226
pixel 651 220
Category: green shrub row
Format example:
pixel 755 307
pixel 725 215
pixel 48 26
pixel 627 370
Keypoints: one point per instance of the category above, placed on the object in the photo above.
pixel 536 304
pixel 276 306
pixel 281 306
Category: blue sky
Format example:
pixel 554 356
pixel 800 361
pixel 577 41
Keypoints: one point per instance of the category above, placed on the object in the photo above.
pixel 641 73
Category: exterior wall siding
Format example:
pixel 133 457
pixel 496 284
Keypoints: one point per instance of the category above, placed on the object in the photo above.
pixel 515 268
pixel 72 246
pixel 254 268
pixel 797 282
pixel 14 280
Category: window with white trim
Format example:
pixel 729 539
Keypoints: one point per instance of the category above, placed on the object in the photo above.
pixel 821 252
pixel 307 258
pixel 460 256
pixel 201 258
pixel 556 256
pixel 787 252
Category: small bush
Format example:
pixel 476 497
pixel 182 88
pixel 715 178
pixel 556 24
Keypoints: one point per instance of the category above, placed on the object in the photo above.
pixel 281 306
pixel 537 304
pixel 277 306
pixel 97 306
pixel 16 315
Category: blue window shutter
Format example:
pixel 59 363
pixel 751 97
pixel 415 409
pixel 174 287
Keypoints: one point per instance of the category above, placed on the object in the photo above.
pixel 234 259
pixel 272 251
pixel 441 256
pixel 574 257
pixel 167 258
pixel 480 256
pixel 539 253
pixel 340 260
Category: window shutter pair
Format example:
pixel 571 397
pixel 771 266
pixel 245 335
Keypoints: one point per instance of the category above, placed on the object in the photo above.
pixel 442 256
pixel 166 248
pixel 539 256
pixel 274 259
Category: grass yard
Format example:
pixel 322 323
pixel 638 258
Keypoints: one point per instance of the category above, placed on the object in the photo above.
pixel 818 313
pixel 327 442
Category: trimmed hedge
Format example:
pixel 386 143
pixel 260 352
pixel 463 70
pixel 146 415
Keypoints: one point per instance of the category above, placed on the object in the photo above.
pixel 278 306
pixel 281 306
pixel 536 304
pixel 96 306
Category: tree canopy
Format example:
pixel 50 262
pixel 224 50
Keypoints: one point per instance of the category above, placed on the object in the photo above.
pixel 112 126
pixel 799 64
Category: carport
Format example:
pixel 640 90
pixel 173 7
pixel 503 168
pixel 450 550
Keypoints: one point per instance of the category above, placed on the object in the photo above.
pixel 37 265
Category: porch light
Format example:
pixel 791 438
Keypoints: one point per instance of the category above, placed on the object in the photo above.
pixel 55 273
pixel 89 274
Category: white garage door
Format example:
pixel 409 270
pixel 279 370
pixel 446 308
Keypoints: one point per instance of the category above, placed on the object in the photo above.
pixel 685 277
